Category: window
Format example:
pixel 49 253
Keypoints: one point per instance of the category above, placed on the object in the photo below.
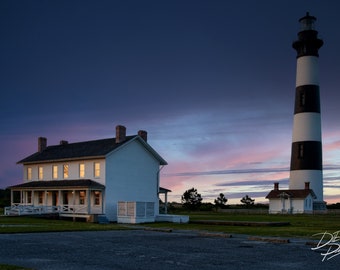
pixel 40 197
pixel 300 153
pixel 302 99
pixel 82 197
pixel 65 197
pixel 29 197
pixel 55 172
pixel 29 173
pixel 65 170
pixel 41 173
pixel 81 170
pixel 96 198
pixel 96 169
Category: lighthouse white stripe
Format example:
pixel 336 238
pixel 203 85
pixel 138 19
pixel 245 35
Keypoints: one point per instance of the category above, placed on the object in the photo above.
pixel 299 177
pixel 307 71
pixel 307 127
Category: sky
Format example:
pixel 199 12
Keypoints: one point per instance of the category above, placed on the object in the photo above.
pixel 212 82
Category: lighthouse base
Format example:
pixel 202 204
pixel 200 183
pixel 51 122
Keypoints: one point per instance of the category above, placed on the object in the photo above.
pixel 319 207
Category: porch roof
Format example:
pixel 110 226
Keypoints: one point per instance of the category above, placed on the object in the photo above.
pixel 60 184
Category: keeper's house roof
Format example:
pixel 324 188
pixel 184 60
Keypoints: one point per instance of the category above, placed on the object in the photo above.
pixel 85 150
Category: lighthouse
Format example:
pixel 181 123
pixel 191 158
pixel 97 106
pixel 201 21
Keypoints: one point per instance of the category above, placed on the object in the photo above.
pixel 306 150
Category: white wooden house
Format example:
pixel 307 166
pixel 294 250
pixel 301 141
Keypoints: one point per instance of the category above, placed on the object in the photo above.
pixel 116 177
pixel 291 201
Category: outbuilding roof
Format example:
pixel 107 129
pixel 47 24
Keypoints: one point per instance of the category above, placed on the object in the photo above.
pixel 293 193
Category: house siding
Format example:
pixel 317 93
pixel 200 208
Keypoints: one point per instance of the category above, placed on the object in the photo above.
pixel 73 170
pixel 296 205
pixel 131 175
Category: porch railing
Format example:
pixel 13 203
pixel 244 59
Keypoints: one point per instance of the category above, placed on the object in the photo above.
pixel 18 209
pixel 29 209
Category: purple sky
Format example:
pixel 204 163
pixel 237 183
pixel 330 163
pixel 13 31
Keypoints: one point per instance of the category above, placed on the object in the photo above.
pixel 212 82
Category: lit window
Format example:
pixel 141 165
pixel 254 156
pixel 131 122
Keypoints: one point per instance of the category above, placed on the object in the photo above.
pixel 29 173
pixel 65 169
pixel 82 197
pixel 96 198
pixel 55 172
pixel 82 170
pixel 41 173
pixel 96 169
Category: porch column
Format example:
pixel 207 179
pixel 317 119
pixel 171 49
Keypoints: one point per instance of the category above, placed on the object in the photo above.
pixel 45 197
pixel 59 200
pixel 73 199
pixel 166 203
pixel 88 198
pixel 11 196
pixel 103 201
pixel 74 202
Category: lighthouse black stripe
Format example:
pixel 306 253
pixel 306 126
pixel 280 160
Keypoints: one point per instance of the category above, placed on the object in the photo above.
pixel 306 155
pixel 307 99
pixel 308 43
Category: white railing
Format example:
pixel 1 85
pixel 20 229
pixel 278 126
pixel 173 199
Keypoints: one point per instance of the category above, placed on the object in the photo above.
pixel 29 209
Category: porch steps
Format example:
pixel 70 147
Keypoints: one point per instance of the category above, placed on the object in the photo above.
pixel 102 219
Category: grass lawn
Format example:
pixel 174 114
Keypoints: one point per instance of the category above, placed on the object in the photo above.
pixel 300 225
pixel 12 267
pixel 34 224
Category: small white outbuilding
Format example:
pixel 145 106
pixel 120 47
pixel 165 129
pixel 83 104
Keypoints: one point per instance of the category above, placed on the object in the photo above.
pixel 291 201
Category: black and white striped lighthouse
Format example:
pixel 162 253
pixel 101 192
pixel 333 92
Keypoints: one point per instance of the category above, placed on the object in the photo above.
pixel 306 155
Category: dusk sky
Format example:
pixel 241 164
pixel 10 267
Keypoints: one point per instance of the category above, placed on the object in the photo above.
pixel 212 82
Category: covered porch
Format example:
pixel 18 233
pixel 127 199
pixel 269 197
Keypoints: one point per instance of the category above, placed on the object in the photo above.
pixel 68 198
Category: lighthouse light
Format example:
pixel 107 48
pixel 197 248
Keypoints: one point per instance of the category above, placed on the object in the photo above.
pixel 307 22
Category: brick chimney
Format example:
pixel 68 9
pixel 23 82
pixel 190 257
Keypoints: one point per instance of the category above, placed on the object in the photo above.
pixel 42 144
pixel 143 134
pixel 307 185
pixel 120 134
pixel 276 186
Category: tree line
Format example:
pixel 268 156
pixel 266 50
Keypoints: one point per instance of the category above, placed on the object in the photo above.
pixel 192 200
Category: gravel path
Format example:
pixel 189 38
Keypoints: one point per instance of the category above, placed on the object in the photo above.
pixel 141 249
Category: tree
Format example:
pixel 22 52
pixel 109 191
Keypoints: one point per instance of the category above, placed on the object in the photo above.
pixel 247 201
pixel 191 199
pixel 221 201
pixel 5 197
